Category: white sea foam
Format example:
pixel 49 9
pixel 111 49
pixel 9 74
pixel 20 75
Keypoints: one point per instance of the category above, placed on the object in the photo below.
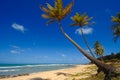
pixel 9 70
pixel 11 67
pixel 34 65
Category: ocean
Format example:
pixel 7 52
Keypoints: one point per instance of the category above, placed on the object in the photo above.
pixel 16 69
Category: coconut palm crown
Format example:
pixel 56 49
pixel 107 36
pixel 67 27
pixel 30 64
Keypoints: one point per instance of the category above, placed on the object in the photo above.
pixel 56 12
pixel 99 50
pixel 116 19
pixel 81 20
pixel 116 26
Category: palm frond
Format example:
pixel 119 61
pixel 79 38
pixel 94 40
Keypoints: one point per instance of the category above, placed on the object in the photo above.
pixel 59 6
pixel 118 15
pixel 74 24
pixel 67 9
pixel 50 21
pixel 76 18
pixel 44 9
pixel 116 19
pixel 46 16
pixel 116 31
pixel 50 7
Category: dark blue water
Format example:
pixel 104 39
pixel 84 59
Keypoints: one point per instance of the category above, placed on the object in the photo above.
pixel 15 69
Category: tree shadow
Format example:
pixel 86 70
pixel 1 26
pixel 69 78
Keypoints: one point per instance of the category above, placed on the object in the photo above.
pixel 64 74
pixel 39 79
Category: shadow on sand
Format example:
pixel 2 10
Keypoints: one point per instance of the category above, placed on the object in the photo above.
pixel 39 79
pixel 64 74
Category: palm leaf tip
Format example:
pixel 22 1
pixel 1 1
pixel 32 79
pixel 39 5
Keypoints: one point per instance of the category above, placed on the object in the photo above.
pixel 50 21
pixel 68 8
pixel 50 7
pixel 46 16
pixel 44 9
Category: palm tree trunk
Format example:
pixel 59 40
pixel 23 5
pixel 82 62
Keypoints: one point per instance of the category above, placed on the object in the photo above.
pixel 86 43
pixel 107 69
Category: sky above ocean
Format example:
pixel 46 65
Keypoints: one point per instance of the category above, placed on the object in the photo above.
pixel 25 38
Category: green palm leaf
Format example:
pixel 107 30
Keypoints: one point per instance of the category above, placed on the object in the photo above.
pixel 67 9
pixel 116 19
pixel 81 20
pixel 116 26
pixel 57 12
pixel 44 9
pixel 50 7
pixel 59 6
pixel 46 16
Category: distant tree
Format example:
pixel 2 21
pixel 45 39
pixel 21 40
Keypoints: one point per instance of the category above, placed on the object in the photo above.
pixel 82 21
pixel 99 50
pixel 57 13
pixel 116 26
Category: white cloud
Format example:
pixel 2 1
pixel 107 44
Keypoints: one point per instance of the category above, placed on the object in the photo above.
pixel 85 31
pixel 14 46
pixel 16 49
pixel 18 27
pixel 63 55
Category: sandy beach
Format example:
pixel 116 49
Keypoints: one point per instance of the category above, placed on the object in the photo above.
pixel 80 71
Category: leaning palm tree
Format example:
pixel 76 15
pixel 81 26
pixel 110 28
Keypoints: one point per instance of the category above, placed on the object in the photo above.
pixel 99 50
pixel 57 13
pixel 116 26
pixel 82 21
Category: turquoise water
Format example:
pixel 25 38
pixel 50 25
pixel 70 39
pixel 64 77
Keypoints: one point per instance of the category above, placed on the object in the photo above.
pixel 15 69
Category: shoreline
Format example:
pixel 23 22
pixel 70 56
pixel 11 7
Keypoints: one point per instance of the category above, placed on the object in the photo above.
pixel 59 74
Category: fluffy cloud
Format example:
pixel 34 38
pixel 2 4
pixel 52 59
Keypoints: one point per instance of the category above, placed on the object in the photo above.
pixel 18 27
pixel 85 31
pixel 16 50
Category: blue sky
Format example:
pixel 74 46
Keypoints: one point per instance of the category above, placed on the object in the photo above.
pixel 24 37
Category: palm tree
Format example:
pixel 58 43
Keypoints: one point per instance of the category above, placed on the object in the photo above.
pixel 57 13
pixel 82 21
pixel 99 50
pixel 116 26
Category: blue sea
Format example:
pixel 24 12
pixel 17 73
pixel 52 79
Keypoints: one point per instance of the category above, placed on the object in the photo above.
pixel 15 69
